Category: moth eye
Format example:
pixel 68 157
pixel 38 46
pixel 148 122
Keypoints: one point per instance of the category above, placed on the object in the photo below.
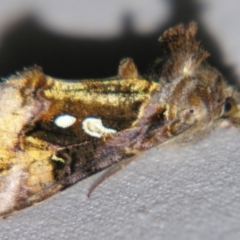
pixel 229 107
pixel 64 121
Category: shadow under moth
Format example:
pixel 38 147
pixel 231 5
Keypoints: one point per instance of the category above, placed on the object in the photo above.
pixel 54 133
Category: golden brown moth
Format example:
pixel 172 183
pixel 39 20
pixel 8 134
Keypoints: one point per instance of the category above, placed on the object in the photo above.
pixel 55 133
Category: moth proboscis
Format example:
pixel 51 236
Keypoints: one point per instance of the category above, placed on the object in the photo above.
pixel 55 133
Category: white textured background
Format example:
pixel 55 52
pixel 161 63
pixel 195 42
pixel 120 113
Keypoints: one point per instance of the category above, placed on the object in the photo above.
pixel 185 193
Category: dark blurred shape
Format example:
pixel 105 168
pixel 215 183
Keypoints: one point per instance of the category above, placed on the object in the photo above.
pixel 67 57
pixel 27 43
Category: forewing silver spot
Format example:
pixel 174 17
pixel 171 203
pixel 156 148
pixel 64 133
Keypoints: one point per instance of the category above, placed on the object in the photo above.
pixel 64 121
pixel 94 127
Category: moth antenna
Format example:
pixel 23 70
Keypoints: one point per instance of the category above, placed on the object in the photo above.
pixel 119 166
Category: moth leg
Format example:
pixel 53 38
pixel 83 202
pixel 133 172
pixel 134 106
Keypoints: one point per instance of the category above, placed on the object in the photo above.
pixel 110 172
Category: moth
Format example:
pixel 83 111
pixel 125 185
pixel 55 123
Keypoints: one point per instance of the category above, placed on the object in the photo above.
pixel 55 133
